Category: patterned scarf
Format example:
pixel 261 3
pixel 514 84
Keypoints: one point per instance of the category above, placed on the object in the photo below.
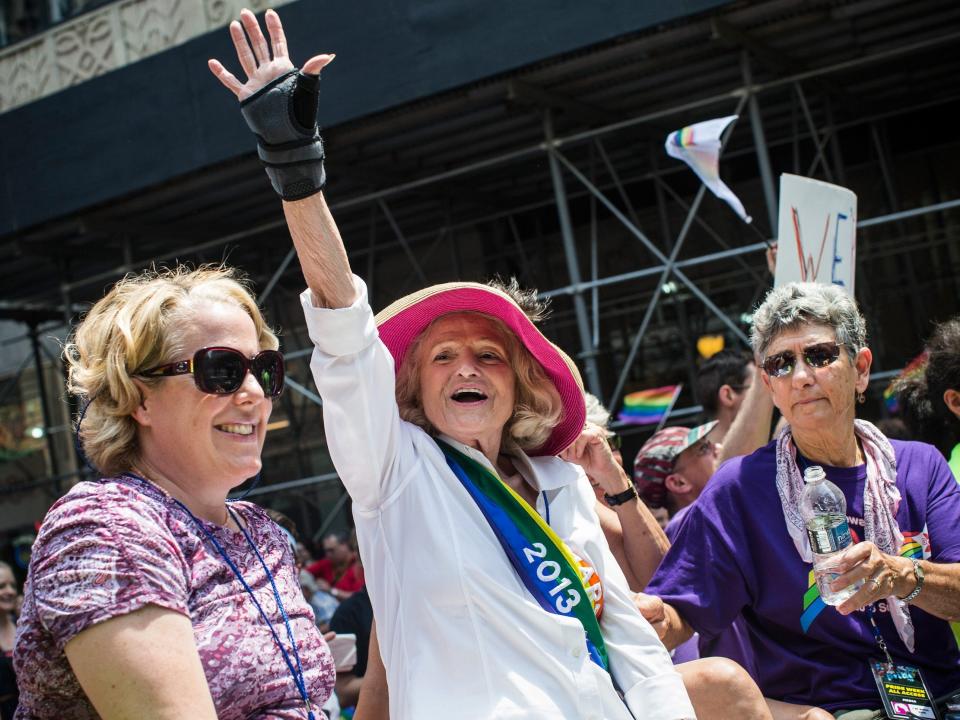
pixel 881 498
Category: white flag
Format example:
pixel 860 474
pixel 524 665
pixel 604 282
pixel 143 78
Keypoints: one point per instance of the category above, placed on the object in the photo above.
pixel 699 147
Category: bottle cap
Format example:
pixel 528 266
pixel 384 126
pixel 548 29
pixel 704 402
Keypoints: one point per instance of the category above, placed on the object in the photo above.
pixel 814 473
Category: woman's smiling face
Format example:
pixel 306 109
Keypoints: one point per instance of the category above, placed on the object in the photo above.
pixel 467 387
pixel 185 431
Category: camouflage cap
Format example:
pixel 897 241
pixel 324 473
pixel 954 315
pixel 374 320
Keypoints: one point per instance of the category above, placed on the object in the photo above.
pixel 657 457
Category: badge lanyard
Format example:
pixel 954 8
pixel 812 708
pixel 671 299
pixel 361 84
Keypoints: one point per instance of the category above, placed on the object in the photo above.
pixel 881 643
pixel 295 673
pixel 902 688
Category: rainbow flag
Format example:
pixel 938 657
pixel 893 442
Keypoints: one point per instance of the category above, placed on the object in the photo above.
pixel 913 368
pixel 649 406
pixel 698 145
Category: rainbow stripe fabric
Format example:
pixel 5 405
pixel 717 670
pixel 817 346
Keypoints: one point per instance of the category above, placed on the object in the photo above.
pixel 813 604
pixel 912 547
pixel 648 406
pixel 913 368
pixel 683 137
pixel 699 146
pixel 543 562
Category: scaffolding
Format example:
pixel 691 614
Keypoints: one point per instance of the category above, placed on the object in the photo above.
pixel 558 209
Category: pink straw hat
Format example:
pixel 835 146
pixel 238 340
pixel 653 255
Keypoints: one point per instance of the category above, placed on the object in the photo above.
pixel 403 321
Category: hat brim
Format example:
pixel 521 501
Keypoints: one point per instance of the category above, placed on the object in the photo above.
pixel 402 322
pixel 699 433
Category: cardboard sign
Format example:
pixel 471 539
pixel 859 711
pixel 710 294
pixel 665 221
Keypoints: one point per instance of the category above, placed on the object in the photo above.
pixel 816 235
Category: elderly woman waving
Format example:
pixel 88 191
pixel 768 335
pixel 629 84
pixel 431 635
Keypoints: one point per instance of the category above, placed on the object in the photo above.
pixel 149 596
pixel 494 591
pixel 743 547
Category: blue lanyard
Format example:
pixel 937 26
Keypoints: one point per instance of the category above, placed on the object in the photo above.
pixel 546 506
pixel 871 612
pixel 296 674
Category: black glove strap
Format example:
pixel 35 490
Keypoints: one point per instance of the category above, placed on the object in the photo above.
pixel 283 116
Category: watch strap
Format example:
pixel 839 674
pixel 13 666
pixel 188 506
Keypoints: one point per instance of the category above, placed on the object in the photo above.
pixel 918 574
pixel 621 498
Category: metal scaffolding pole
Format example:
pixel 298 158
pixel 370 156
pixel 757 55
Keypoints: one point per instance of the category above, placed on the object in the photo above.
pixel 577 287
pixel 760 142
pixel 818 142
pixel 678 304
pixel 517 155
pixel 658 289
pixel 278 273
pixel 402 239
pixel 736 252
pixel 653 248
pixel 44 409
pixel 667 269
pixel 588 354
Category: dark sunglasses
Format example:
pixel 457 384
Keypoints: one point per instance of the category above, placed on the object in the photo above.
pixel 221 370
pixel 816 356
pixel 614 441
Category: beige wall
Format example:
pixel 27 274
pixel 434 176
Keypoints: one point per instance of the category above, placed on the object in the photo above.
pixel 103 40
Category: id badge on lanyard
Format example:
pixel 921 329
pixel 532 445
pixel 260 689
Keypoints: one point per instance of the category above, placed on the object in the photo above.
pixel 904 693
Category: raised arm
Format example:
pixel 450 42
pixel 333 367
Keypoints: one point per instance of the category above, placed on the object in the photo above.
pixel 323 257
pixel 643 541
pixel 290 147
pixel 750 430
pixel 352 370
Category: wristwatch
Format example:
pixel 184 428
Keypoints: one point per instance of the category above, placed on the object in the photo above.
pixel 620 498
pixel 918 574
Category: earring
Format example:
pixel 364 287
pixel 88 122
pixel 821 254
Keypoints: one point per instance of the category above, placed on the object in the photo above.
pixel 861 398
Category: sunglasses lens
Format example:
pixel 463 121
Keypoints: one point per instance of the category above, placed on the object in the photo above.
pixel 819 356
pixel 779 365
pixel 268 370
pixel 614 441
pixel 219 371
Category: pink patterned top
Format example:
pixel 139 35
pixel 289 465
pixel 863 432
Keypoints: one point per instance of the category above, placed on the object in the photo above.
pixel 111 547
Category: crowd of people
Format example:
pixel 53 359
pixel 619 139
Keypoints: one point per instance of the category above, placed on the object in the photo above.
pixel 506 565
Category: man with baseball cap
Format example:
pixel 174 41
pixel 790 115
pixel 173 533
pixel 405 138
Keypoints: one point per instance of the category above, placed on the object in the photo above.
pixel 673 467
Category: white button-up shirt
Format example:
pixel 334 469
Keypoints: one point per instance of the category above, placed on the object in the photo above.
pixel 460 635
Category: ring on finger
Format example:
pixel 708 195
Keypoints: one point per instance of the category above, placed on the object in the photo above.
pixel 875 583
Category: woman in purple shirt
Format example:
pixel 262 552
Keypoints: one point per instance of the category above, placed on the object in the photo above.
pixel 743 548
pixel 149 595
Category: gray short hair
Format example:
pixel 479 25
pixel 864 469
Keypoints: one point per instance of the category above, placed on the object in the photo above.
pixel 795 304
pixel 596 412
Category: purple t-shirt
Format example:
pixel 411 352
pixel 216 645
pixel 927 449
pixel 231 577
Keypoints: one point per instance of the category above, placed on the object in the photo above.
pixel 111 547
pixel 732 642
pixel 733 555
pixel 673 527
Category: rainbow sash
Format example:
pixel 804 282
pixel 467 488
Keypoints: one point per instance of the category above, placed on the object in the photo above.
pixel 544 563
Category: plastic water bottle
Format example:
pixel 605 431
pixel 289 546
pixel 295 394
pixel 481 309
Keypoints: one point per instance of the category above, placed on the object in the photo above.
pixel 824 510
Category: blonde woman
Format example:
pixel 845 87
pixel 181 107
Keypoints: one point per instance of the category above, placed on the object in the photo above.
pixel 149 595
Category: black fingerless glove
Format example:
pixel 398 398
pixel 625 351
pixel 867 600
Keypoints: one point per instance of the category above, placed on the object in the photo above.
pixel 283 116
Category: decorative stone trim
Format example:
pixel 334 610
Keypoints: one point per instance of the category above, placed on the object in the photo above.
pixel 106 39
